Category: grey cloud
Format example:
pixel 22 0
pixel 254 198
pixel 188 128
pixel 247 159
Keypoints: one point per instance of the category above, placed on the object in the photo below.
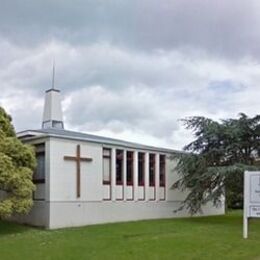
pixel 95 108
pixel 25 109
pixel 98 64
pixel 106 87
pixel 226 28
pixel 139 107
pixel 130 68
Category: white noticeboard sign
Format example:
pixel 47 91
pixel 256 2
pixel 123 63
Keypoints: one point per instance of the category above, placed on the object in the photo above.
pixel 251 198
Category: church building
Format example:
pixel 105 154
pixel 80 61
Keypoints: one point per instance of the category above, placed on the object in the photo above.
pixel 84 179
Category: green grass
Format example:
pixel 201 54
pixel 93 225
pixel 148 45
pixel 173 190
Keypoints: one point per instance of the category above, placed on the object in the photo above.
pixel 192 238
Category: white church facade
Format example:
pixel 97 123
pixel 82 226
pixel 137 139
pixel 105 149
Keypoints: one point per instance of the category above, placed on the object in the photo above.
pixel 84 179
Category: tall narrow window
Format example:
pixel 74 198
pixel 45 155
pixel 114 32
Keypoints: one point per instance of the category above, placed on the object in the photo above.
pixel 162 170
pixel 106 166
pixel 151 169
pixel 141 169
pixel 129 168
pixel 39 173
pixel 119 167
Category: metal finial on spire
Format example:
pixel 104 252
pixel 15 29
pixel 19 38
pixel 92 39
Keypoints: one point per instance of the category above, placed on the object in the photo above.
pixel 53 73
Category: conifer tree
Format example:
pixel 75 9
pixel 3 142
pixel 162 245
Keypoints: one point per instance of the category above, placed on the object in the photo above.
pixel 216 160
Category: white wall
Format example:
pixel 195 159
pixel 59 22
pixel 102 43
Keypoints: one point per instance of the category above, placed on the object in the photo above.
pixel 63 172
pixel 38 215
pixel 64 214
pixel 60 207
pixel 67 210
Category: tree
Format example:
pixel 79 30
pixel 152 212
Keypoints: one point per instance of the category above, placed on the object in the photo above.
pixel 17 162
pixel 214 163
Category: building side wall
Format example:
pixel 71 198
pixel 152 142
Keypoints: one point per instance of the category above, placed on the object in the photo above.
pixel 63 186
pixel 100 203
pixel 88 213
pixel 56 204
pixel 40 213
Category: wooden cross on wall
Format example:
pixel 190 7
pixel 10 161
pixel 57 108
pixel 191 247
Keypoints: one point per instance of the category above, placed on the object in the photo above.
pixel 78 159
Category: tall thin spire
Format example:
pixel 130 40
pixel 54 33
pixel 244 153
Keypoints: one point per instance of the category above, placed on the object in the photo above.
pixel 53 74
pixel 52 114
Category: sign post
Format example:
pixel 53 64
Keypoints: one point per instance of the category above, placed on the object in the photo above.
pixel 251 198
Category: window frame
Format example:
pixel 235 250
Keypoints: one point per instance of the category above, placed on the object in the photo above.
pixel 39 150
pixel 162 170
pixel 120 183
pixel 152 165
pixel 142 160
pixel 105 182
pixel 130 160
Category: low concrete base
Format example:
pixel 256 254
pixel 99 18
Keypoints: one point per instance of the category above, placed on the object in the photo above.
pixel 58 214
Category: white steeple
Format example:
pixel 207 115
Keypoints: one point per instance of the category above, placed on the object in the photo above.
pixel 52 115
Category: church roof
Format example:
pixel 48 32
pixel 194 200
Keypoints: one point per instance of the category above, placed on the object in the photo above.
pixel 66 134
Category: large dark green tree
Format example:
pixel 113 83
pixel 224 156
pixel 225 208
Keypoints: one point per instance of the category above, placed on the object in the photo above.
pixel 17 162
pixel 216 160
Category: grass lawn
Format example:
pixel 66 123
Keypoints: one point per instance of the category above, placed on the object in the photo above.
pixel 192 238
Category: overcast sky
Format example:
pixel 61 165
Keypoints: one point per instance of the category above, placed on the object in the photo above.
pixel 131 69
